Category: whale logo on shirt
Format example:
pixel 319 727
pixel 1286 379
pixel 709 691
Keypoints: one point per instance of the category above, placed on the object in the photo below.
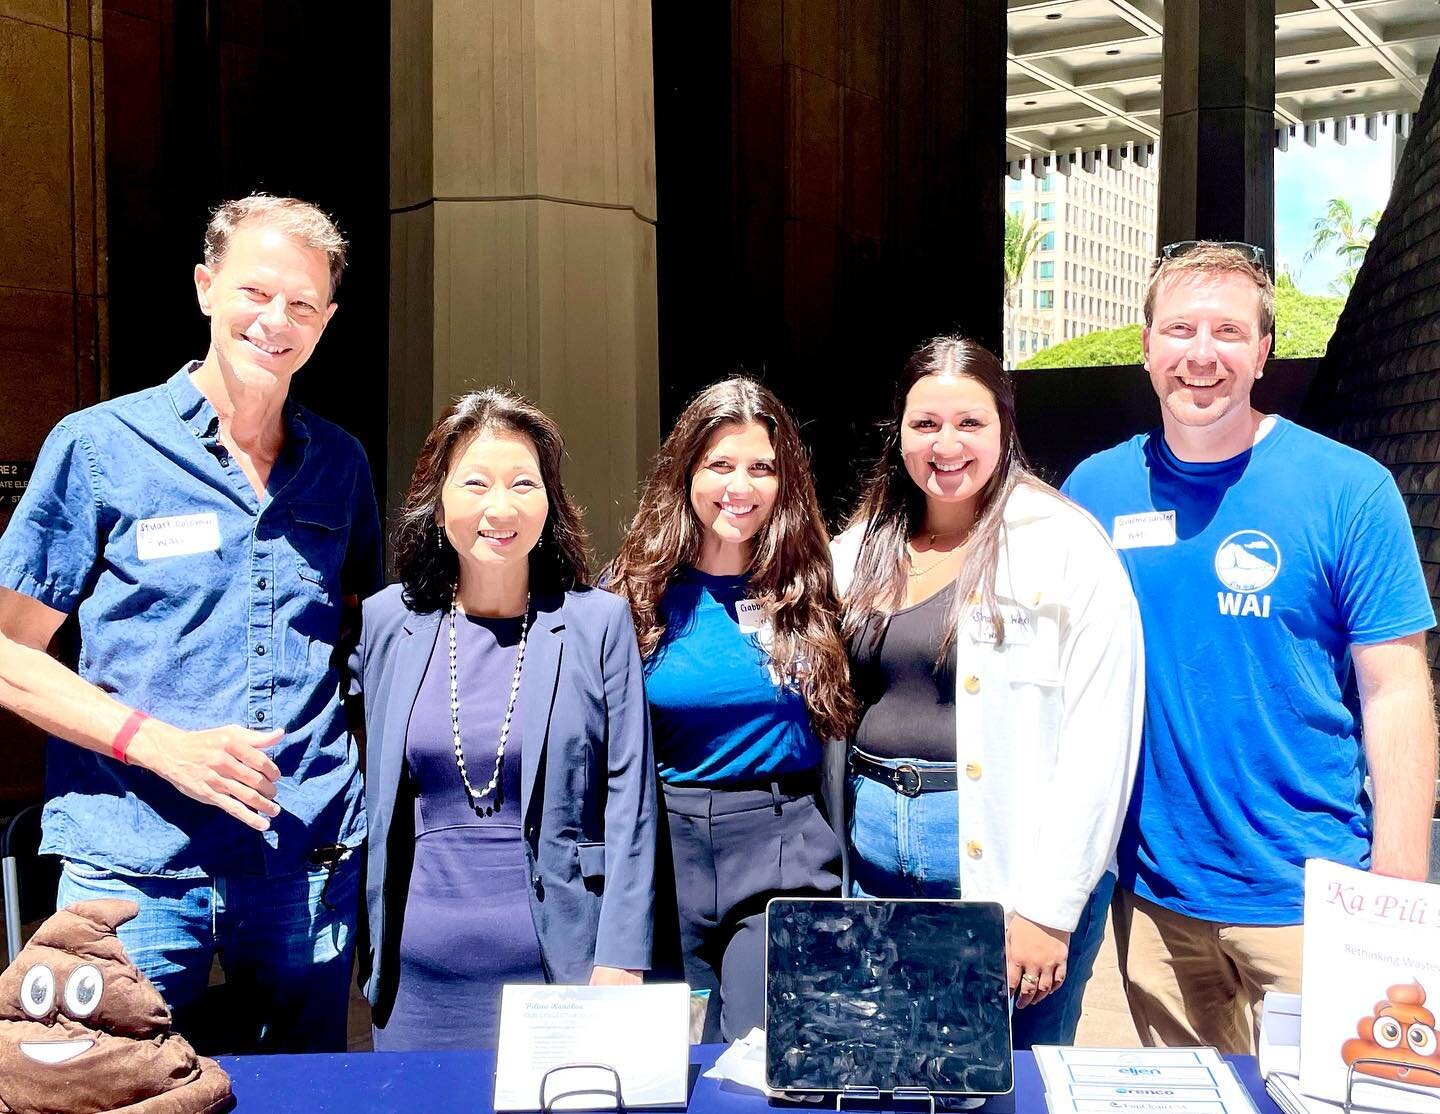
pixel 1247 561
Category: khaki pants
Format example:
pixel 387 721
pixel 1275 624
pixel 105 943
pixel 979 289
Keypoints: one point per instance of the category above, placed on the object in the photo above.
pixel 1194 982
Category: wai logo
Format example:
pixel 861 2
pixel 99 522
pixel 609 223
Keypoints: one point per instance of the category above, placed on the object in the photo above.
pixel 1246 563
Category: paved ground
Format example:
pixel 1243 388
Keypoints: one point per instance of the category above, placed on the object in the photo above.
pixel 1105 1019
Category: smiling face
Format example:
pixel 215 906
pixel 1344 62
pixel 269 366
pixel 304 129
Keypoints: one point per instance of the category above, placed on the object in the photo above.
pixel 492 503
pixel 1204 348
pixel 268 302
pixel 1400 1031
pixel 78 1018
pixel 950 438
pixel 732 492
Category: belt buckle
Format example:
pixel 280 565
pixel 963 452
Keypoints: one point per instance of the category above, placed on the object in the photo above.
pixel 907 780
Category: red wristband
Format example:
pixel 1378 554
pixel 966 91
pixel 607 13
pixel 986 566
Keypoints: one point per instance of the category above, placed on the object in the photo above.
pixel 121 743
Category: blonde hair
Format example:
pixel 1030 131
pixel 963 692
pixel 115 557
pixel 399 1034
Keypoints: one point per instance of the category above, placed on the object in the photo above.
pixel 300 220
pixel 1211 260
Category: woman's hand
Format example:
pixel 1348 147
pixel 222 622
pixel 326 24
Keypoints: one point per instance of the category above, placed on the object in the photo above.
pixel 614 976
pixel 1035 960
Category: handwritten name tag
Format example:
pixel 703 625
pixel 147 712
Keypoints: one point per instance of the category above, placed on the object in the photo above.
pixel 1144 531
pixel 751 614
pixel 1019 626
pixel 177 535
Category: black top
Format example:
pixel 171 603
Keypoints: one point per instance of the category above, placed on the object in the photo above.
pixel 908 705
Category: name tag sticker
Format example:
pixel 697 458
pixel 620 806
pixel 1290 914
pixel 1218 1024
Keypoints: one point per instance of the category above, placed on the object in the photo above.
pixel 177 535
pixel 1019 626
pixel 751 614
pixel 1144 531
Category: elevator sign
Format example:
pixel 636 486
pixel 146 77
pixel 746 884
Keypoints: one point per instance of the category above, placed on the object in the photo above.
pixel 14 478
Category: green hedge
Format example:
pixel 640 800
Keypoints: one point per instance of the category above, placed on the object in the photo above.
pixel 1304 324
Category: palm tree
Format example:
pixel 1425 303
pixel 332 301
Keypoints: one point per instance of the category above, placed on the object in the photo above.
pixel 1338 231
pixel 1022 239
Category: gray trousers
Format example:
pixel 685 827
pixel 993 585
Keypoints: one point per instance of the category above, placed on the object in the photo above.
pixel 733 850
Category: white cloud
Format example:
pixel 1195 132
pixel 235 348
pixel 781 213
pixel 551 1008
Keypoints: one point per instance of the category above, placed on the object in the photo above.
pixel 1306 178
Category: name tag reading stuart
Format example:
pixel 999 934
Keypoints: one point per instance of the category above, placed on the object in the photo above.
pixel 1143 531
pixel 751 614
pixel 553 1037
pixel 1019 626
pixel 177 535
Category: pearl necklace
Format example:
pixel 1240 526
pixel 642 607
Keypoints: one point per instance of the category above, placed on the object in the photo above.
pixel 493 785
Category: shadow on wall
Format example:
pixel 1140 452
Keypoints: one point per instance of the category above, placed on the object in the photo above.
pixel 1066 414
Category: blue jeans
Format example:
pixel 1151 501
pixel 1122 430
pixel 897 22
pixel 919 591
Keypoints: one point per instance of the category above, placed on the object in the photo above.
pixel 287 955
pixel 909 847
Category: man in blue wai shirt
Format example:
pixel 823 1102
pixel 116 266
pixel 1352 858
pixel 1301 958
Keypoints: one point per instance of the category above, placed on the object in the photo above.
pixel 1284 613
pixel 206 534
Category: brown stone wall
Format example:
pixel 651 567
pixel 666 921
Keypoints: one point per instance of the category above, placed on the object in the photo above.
pixel 1378 387
pixel 52 259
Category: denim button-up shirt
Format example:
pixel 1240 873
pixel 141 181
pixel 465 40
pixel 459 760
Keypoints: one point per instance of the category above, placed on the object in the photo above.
pixel 203 605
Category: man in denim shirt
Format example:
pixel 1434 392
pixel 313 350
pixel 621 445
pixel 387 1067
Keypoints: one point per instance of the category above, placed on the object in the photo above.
pixel 206 534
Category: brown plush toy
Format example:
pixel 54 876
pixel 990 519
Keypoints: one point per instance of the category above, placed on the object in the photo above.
pixel 82 1030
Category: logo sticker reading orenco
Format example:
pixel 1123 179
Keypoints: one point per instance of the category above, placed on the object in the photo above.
pixel 1144 530
pixel 177 535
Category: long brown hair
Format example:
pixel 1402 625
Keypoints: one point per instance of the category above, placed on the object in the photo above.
pixel 892 507
pixel 790 564
pixel 424 559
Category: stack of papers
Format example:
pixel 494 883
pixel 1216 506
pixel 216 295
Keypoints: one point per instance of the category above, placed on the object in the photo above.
pixel 1279 1056
pixel 1140 1080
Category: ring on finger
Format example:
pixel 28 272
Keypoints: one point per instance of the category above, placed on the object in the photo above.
pixel 1031 979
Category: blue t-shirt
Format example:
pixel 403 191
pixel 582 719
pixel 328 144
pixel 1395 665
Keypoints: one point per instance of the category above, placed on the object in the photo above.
pixel 201 605
pixel 718 715
pixel 1254 576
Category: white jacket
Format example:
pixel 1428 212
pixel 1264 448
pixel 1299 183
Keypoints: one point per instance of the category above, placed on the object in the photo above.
pixel 1048 724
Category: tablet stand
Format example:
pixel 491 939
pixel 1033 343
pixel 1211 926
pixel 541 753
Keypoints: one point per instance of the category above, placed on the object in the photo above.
pixel 907 1096
pixel 547 1105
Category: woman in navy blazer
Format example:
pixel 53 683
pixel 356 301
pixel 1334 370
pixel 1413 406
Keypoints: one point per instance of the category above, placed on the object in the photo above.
pixel 482 868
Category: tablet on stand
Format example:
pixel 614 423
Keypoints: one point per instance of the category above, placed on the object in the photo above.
pixel 902 1001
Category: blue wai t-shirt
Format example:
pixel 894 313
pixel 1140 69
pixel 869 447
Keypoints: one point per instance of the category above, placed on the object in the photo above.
pixel 1254 575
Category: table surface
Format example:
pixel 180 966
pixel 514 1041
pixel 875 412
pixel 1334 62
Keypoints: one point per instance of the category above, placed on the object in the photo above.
pixel 437 1082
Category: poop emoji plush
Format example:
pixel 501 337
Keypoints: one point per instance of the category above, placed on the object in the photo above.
pixel 1400 1031
pixel 81 1029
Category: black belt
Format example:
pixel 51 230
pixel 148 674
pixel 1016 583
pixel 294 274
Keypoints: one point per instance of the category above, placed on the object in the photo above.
pixel 906 779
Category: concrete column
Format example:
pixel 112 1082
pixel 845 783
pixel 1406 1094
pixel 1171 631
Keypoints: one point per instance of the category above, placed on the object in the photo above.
pixel 522 200
pixel 52 258
pixel 1217 155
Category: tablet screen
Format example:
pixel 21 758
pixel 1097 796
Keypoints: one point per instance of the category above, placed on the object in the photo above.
pixel 886 994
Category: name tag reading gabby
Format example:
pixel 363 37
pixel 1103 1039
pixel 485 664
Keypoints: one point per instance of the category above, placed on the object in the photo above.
pixel 751 614
pixel 177 535
pixel 1143 531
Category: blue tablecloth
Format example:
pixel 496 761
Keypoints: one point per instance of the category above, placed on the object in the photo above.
pixel 439 1082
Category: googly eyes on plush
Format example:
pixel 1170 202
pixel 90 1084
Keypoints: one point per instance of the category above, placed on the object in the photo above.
pixel 37 991
pixel 82 991
pixel 1388 1032
pixel 1421 1039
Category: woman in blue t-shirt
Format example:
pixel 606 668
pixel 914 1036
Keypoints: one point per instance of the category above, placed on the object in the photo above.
pixel 729 583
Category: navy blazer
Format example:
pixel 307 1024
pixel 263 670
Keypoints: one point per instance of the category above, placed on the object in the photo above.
pixel 587 796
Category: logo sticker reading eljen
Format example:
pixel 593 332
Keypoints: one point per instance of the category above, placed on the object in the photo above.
pixel 1247 561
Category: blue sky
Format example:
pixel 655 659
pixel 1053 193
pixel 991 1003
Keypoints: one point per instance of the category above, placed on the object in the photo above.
pixel 1306 178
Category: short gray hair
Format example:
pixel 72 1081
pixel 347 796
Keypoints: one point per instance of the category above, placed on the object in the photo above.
pixel 300 220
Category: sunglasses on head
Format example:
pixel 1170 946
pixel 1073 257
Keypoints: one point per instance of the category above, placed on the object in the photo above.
pixel 1185 247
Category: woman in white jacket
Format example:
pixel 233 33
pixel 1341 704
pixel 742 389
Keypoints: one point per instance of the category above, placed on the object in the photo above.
pixel 995 648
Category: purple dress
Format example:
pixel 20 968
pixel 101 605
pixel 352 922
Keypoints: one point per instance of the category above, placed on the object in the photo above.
pixel 467 927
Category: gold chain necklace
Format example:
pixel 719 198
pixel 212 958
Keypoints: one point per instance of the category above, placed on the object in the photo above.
pixel 930 539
